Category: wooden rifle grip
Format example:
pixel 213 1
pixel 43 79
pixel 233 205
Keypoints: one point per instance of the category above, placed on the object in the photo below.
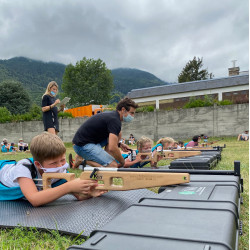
pixel 46 177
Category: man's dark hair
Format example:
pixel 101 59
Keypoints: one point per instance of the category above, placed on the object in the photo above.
pixel 195 138
pixel 126 103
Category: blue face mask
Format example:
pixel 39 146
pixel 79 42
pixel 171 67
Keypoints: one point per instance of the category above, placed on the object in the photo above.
pixel 53 93
pixel 128 118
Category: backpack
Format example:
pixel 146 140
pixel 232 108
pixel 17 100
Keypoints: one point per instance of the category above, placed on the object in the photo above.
pixel 15 193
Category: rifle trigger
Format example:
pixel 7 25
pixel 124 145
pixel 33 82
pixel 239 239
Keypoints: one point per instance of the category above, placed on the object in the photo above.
pixel 93 174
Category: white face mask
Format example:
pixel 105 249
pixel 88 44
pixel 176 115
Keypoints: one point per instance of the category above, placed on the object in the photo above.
pixel 55 170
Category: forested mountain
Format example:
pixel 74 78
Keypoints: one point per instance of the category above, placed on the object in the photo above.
pixel 126 79
pixel 35 76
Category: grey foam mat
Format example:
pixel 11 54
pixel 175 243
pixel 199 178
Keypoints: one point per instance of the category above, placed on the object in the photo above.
pixel 69 215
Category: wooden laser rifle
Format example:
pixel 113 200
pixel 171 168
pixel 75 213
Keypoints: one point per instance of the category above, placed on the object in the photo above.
pixel 107 178
pixel 211 144
pixel 166 154
pixel 206 143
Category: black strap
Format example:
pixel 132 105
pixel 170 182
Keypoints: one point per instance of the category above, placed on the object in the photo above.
pixel 31 168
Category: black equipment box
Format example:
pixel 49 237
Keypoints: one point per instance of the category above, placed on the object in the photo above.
pixel 200 215
pixel 216 150
pixel 216 154
pixel 204 162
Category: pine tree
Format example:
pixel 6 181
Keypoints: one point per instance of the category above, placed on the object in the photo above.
pixel 193 72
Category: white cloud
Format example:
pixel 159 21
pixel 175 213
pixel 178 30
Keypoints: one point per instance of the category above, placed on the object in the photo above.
pixel 157 36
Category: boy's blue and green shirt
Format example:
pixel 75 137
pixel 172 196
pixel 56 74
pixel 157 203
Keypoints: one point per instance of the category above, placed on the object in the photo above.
pixel 15 193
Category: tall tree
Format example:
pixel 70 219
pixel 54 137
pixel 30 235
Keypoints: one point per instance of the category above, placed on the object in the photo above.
pixel 88 82
pixel 193 72
pixel 14 97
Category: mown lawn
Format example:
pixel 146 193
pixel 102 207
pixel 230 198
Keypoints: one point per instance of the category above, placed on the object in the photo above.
pixel 21 238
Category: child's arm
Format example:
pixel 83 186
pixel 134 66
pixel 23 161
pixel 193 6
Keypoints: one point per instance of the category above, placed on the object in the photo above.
pixel 129 163
pixel 153 163
pixel 37 198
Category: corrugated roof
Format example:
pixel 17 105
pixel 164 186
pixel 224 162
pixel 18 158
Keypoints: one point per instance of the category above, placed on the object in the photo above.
pixel 190 86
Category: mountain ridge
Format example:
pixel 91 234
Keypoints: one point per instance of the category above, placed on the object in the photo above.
pixel 36 74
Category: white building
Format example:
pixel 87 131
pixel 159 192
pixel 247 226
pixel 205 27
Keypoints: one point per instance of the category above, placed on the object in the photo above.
pixel 234 88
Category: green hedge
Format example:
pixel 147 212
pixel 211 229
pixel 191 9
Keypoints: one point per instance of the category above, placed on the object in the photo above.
pixel 145 109
pixel 65 115
pixel 207 101
pixel 5 115
pixel 35 114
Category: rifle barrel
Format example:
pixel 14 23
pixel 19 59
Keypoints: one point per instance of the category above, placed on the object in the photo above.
pixel 235 172
pixel 190 171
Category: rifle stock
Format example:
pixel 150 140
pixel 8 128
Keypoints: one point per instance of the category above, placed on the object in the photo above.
pixel 127 180
pixel 167 154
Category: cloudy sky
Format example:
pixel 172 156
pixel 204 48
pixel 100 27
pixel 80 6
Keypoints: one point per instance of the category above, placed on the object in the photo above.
pixel 158 36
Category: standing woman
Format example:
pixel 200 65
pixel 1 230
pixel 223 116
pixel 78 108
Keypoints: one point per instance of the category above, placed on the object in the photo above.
pixel 49 109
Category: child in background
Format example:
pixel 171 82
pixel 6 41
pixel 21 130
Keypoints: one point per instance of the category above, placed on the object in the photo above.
pixel 144 145
pixel 175 145
pixel 22 146
pixel 131 139
pixel 180 145
pixel 122 140
pixel 4 140
pixel 48 153
pixel 194 142
pixel 204 137
pixel 5 148
pixel 12 147
pixel 165 143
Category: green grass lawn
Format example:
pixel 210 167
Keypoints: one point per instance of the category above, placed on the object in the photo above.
pixel 20 238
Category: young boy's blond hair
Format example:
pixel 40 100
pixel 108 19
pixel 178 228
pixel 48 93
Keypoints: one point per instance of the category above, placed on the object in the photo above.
pixel 46 146
pixel 142 141
pixel 165 140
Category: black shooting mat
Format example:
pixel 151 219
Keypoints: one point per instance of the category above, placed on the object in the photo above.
pixel 69 216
